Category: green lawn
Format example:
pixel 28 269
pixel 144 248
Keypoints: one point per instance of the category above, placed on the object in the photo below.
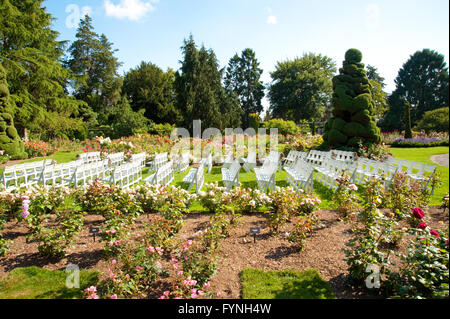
pixel 37 283
pixel 423 155
pixel 284 284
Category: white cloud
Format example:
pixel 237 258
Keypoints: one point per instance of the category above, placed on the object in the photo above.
pixel 372 16
pixel 131 9
pixel 271 20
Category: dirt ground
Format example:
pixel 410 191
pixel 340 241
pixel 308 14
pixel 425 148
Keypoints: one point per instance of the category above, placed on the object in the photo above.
pixel 323 250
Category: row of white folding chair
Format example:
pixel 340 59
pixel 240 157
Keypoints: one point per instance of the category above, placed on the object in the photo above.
pixel 139 158
pixel 195 176
pixel 60 174
pixel 160 160
pixel 183 162
pixel 348 157
pixel 125 175
pixel 208 162
pixel 115 159
pixel 230 176
pixel 421 172
pixel 331 170
pixel 265 175
pixel 293 156
pixel 316 158
pixel 414 170
pixel 25 174
pixel 88 172
pixel 89 157
pixel 165 174
pixel 367 168
pixel 249 162
pixel 300 175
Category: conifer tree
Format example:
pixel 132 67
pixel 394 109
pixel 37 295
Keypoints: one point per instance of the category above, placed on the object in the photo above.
pixel 10 141
pixel 352 120
pixel 31 56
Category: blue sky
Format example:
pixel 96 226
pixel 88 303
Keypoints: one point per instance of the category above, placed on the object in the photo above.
pixel 386 32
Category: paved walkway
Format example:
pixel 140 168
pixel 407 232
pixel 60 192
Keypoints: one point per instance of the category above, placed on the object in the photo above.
pixel 441 159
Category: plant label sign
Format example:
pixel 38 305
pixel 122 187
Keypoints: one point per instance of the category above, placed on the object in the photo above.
pixel 254 231
pixel 94 230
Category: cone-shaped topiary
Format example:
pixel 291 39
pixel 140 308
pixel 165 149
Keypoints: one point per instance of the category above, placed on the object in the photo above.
pixel 352 121
pixel 10 142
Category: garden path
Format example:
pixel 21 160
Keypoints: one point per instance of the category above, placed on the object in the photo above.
pixel 441 159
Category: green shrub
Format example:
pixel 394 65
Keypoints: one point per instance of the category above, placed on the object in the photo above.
pixel 162 129
pixel 436 120
pixel 284 127
pixel 254 121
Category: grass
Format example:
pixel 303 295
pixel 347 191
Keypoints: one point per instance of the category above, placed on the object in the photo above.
pixel 38 283
pixel 423 155
pixel 284 284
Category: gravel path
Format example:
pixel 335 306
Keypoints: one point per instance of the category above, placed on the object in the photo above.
pixel 441 159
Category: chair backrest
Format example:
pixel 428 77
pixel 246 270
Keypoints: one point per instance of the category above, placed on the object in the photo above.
pixel 199 177
pixel 229 157
pixel 343 156
pixel 302 167
pixel 89 157
pixel 269 168
pixel 251 158
pixel 140 158
pixel 273 156
pixel 116 158
pixel 316 158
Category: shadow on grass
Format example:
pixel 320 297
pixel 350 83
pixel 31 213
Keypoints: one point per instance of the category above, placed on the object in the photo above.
pixel 284 284
pixel 37 283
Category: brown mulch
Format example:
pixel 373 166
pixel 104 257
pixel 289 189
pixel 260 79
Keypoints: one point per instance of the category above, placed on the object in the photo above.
pixel 323 250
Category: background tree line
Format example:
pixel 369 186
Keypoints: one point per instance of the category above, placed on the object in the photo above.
pixel 61 89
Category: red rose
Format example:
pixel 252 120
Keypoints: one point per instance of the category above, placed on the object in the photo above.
pixel 434 233
pixel 418 213
pixel 422 225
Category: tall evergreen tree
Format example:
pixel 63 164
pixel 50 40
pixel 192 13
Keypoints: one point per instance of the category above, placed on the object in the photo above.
pixel 199 90
pixel 32 56
pixel 243 77
pixel 424 82
pixel 150 88
pixel 379 96
pixel 93 62
pixel 10 141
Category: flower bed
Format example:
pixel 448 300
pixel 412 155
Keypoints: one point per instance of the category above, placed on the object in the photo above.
pixel 419 142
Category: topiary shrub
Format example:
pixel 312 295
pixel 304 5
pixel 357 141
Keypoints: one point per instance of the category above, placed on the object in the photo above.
pixel 10 142
pixel 352 121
